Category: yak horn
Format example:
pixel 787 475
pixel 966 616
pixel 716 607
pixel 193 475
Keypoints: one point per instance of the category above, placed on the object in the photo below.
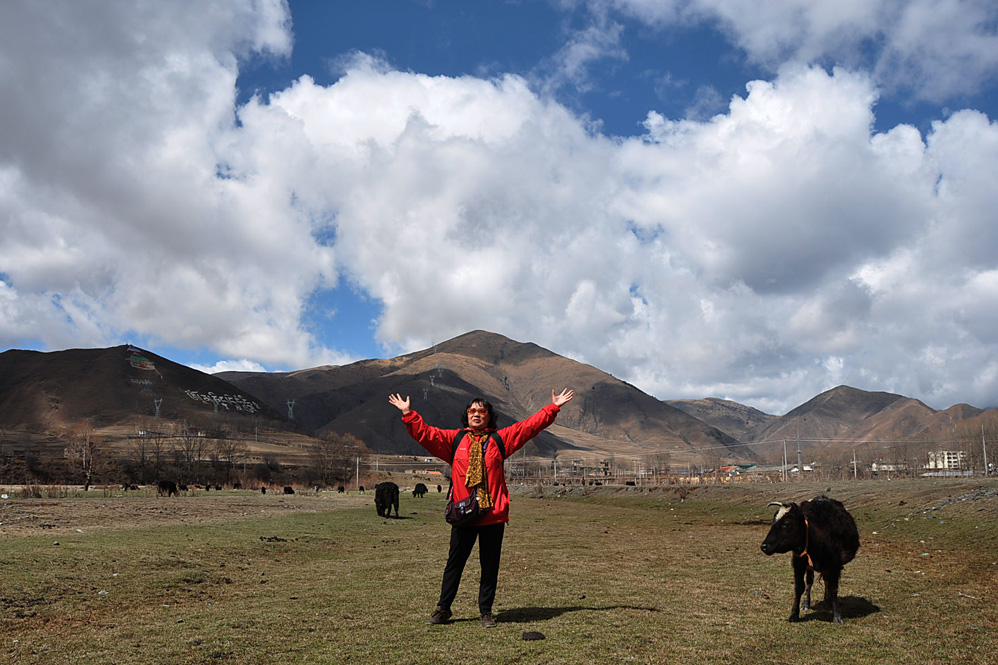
pixel 776 503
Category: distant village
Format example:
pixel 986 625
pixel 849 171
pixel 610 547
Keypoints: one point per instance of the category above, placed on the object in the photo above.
pixel 215 458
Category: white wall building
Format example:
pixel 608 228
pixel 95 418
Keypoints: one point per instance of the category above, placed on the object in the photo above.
pixel 945 460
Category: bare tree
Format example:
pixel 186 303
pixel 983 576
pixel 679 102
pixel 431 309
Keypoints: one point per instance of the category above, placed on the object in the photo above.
pixel 899 457
pixel 711 461
pixel 157 454
pixel 84 451
pixel 190 451
pixel 226 453
pixel 8 464
pixel 147 448
pixel 658 463
pixel 334 458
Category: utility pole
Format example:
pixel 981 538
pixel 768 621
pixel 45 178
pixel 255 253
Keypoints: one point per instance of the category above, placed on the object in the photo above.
pixel 800 462
pixel 854 465
pixel 784 459
pixel 984 447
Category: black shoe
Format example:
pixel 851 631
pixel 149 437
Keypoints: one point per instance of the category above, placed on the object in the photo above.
pixel 488 621
pixel 440 615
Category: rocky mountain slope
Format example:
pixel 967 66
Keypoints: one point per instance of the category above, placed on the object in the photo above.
pixel 607 415
pixel 53 391
pixel 842 417
pixel 730 417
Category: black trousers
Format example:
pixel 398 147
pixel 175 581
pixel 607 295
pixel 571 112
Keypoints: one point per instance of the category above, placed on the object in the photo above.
pixel 462 540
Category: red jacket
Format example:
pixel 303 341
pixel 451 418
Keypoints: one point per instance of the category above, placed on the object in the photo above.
pixel 438 443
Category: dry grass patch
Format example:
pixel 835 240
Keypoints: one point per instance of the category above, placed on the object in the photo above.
pixel 633 577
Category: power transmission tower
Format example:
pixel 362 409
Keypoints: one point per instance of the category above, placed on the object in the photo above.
pixel 291 409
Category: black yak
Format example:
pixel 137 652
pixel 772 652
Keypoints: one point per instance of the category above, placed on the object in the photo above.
pixel 386 495
pixel 822 536
pixel 167 488
pixel 419 490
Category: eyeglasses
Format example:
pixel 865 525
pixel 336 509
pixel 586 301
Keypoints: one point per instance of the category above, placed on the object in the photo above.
pixel 474 411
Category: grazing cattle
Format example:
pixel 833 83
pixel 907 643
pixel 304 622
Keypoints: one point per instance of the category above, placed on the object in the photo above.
pixel 182 488
pixel 167 488
pixel 340 489
pixel 439 489
pixel 263 490
pixel 822 536
pixel 386 495
pixel 419 490
pixel 289 490
pixel 361 489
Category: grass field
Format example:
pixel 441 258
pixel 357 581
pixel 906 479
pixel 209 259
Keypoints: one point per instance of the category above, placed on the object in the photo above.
pixel 633 576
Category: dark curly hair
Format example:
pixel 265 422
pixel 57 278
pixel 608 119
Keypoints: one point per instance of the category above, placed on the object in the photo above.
pixel 488 407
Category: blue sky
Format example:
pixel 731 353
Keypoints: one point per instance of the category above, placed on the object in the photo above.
pixel 660 69
pixel 754 201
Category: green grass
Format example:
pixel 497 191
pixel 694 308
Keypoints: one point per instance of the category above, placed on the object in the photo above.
pixel 631 577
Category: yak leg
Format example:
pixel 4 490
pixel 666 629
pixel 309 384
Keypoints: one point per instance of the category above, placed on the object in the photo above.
pixel 832 592
pixel 800 568
pixel 809 582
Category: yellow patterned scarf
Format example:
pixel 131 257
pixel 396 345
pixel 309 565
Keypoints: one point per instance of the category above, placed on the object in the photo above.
pixel 476 476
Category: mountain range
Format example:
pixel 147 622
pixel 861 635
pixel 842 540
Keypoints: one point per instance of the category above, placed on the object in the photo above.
pixel 50 392
pixel 840 416
pixel 609 417
pixel 517 378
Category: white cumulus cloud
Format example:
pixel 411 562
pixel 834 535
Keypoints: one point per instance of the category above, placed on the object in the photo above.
pixel 764 254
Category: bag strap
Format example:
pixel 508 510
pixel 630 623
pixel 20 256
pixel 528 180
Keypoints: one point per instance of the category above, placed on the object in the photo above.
pixel 494 436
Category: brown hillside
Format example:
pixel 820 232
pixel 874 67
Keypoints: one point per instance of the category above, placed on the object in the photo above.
pixel 52 391
pixel 608 416
pixel 823 419
pixel 730 417
pixel 840 419
pixel 901 419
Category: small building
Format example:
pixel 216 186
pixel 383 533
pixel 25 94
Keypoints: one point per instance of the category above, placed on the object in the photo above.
pixel 945 460
pixel 882 466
